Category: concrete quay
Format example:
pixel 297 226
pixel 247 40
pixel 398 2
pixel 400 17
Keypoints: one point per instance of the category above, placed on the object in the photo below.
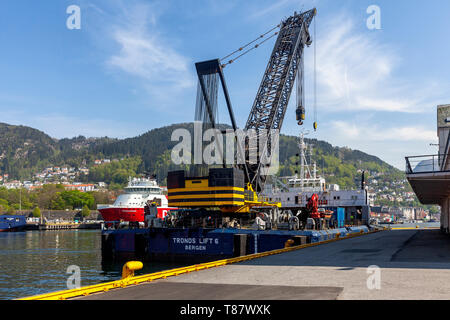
pixel 413 264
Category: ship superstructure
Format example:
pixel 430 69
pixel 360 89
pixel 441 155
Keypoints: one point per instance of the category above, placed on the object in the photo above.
pixel 294 192
pixel 129 206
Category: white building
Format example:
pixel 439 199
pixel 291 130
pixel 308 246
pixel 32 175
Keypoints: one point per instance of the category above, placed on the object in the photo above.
pixel 13 185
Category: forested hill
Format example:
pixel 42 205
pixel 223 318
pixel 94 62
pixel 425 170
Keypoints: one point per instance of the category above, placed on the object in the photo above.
pixel 25 151
pixel 22 146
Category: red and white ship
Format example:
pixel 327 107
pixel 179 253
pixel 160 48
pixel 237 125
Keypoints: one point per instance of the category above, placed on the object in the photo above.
pixel 130 205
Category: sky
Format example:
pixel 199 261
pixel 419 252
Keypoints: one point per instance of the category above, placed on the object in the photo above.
pixel 129 68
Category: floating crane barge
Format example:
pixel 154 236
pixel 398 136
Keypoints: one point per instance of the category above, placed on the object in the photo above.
pixel 221 213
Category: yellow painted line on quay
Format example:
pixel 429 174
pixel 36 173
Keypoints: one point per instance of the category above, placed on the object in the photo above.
pixel 130 281
pixel 418 228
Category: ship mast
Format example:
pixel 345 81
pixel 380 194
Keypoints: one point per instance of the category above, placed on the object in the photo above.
pixel 304 167
pixel 308 169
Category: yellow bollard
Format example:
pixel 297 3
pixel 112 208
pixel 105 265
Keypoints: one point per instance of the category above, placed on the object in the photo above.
pixel 129 268
pixel 289 243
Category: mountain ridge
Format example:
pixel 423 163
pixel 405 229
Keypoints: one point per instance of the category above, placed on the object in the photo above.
pixel 25 150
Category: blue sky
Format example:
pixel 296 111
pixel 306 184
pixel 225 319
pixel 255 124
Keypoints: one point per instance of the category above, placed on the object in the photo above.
pixel 130 67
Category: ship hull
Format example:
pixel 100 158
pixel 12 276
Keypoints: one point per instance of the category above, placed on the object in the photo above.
pixel 12 223
pixel 13 229
pixel 196 245
pixel 129 214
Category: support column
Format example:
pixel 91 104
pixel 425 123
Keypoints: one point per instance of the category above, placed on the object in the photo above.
pixel 447 215
pixel 445 210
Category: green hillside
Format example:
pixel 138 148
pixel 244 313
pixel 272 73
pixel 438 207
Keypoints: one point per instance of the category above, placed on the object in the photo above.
pixel 25 151
pixel 337 165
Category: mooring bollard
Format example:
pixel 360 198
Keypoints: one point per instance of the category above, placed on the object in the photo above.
pixel 129 268
pixel 289 243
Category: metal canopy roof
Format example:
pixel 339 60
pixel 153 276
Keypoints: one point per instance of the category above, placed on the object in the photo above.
pixel 430 188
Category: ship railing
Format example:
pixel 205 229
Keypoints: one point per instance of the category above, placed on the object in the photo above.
pixel 110 225
pixel 425 164
pixel 356 222
pixel 115 225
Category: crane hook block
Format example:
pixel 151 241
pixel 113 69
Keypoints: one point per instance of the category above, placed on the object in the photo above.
pixel 300 115
pixel 315 126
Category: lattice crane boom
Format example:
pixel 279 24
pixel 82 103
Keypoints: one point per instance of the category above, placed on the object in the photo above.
pixel 285 63
pixel 234 190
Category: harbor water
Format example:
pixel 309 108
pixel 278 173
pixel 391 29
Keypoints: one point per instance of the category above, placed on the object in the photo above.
pixel 36 262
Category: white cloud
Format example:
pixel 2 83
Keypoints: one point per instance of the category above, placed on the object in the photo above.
pixel 365 102
pixel 144 53
pixel 355 71
pixel 391 144
pixel 369 133
pixel 144 56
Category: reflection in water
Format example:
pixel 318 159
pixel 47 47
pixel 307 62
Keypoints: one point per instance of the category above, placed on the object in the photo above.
pixel 36 262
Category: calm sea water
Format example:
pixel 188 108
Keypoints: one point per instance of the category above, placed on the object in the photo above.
pixel 36 262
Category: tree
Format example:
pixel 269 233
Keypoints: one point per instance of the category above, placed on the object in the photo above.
pixel 58 203
pixel 47 194
pixel 100 197
pixel 72 199
pixel 434 209
pixel 85 211
pixel 4 207
pixel 37 212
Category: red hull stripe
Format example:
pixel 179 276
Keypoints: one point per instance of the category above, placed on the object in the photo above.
pixel 129 214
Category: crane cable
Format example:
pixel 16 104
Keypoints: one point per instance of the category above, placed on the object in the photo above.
pixel 242 48
pixel 273 35
pixel 315 74
pixel 251 42
pixel 244 53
